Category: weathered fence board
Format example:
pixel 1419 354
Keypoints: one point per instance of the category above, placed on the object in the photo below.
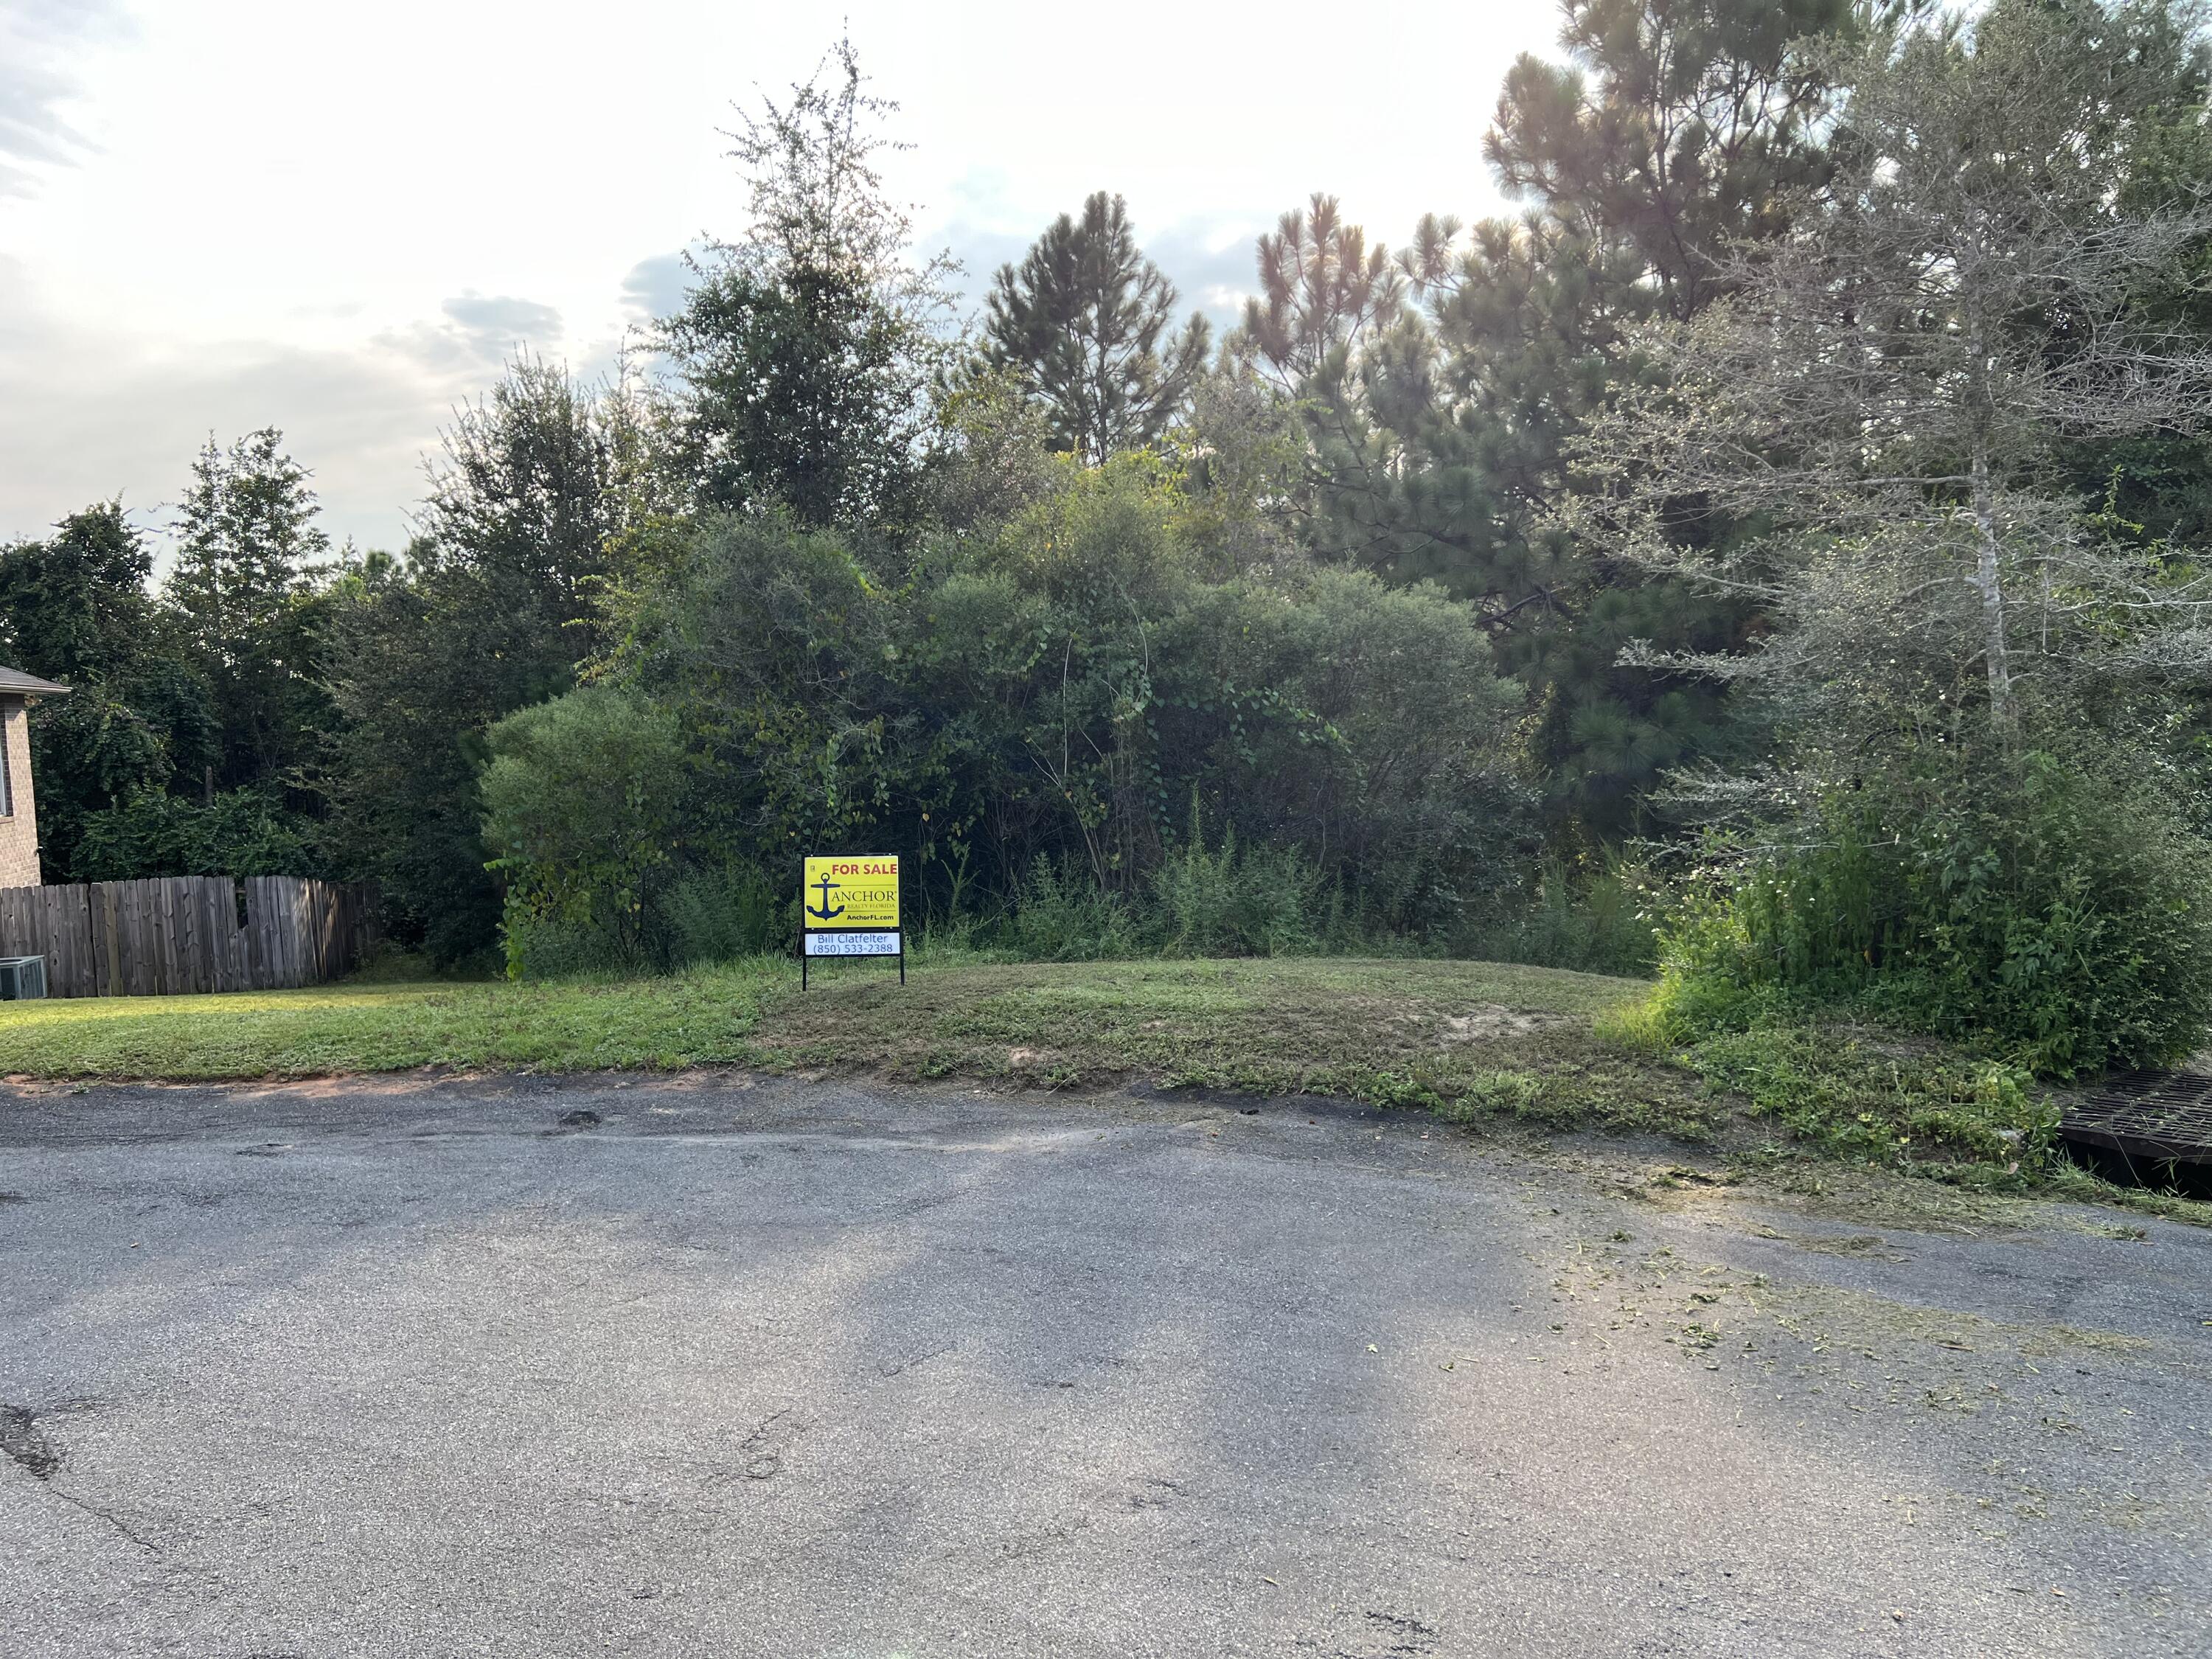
pixel 176 934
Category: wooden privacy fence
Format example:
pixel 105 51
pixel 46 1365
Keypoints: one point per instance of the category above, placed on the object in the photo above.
pixel 177 934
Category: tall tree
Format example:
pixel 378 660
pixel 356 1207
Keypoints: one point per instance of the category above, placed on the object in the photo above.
pixel 249 553
pixel 808 351
pixel 1086 323
pixel 1323 293
pixel 1676 128
pixel 1439 400
pixel 488 614
pixel 1898 387
pixel 76 608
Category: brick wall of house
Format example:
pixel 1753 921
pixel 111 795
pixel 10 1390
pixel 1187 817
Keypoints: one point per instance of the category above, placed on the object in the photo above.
pixel 18 830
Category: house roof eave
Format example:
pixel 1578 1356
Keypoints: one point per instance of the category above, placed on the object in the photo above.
pixel 13 682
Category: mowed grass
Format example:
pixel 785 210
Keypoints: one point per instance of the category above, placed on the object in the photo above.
pixel 1456 1037
pixel 1445 1035
pixel 685 1020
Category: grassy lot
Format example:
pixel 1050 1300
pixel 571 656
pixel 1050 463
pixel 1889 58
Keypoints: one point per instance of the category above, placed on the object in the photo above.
pixel 353 1026
pixel 1271 1026
pixel 1464 1041
pixel 1396 1032
pixel 1458 1037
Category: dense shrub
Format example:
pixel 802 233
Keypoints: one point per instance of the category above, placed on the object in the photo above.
pixel 1037 717
pixel 582 802
pixel 1222 902
pixel 2032 905
pixel 1061 915
pixel 240 832
pixel 1595 923
pixel 722 913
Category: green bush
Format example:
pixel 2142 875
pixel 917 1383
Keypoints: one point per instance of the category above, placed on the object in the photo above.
pixel 1598 924
pixel 724 914
pixel 241 832
pixel 2032 906
pixel 1199 901
pixel 582 799
pixel 1061 915
pixel 1061 687
pixel 1228 902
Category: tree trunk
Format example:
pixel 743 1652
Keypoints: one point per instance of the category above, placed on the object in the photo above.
pixel 1986 580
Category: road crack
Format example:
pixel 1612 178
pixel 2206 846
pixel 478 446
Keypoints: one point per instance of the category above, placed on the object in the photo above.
pixel 27 1447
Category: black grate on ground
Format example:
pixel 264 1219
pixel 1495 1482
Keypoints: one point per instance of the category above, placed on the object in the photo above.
pixel 2154 1115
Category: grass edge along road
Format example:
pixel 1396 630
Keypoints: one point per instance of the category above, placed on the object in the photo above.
pixel 1062 1023
pixel 1467 1040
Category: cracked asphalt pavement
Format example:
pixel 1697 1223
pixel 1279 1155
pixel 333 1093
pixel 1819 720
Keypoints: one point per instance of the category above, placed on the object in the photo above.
pixel 713 1365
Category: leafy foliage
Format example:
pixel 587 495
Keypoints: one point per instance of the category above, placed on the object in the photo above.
pixel 582 801
pixel 141 717
pixel 807 351
pixel 488 615
pixel 238 832
pixel 248 554
pixel 1892 391
pixel 2059 914
pixel 1442 387
pixel 1970 819
pixel 1083 686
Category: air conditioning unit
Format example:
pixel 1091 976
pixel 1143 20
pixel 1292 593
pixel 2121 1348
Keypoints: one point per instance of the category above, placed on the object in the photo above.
pixel 22 976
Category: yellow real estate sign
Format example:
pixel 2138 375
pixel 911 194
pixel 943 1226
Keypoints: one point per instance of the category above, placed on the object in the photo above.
pixel 850 894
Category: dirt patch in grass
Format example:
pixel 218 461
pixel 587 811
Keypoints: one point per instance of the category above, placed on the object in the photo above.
pixel 1486 1025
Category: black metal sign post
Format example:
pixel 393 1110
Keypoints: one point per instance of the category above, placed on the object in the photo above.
pixel 855 898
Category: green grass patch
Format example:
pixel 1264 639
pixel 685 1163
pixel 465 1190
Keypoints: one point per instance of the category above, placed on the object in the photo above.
pixel 1855 1095
pixel 690 1020
pixel 1458 1038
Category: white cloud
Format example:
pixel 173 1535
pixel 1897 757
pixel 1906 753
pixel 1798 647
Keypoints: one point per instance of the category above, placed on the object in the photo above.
pixel 654 288
pixel 338 220
pixel 39 39
pixel 104 421
pixel 478 331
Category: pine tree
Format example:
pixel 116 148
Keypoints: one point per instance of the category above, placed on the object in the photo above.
pixel 1896 390
pixel 248 554
pixel 1442 388
pixel 1085 323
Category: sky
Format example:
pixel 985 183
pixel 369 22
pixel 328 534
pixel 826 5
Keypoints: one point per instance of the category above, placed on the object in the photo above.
pixel 339 218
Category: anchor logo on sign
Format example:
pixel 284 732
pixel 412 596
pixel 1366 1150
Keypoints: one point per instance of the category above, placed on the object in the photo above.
pixel 822 912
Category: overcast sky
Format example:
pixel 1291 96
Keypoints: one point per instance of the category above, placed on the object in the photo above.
pixel 218 215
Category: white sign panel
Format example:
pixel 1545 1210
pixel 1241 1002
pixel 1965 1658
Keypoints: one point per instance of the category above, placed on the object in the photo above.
pixel 852 945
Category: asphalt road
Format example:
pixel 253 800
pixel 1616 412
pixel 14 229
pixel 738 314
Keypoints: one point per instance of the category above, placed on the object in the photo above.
pixel 784 1368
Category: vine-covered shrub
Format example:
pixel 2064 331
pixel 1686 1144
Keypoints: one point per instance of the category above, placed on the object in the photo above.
pixel 2026 903
pixel 240 832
